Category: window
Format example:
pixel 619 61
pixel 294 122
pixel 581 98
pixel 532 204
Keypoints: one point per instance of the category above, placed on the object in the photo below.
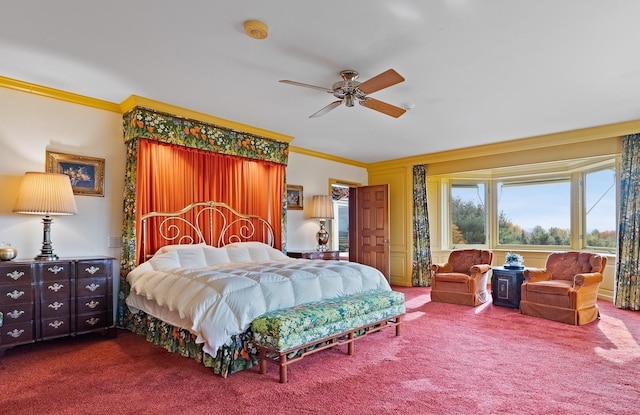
pixel 600 208
pixel 468 214
pixel 534 213
pixel 569 204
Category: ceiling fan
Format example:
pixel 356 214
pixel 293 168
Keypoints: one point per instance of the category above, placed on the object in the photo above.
pixel 349 90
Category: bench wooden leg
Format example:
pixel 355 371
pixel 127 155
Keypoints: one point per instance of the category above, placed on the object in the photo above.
pixel 351 346
pixel 282 362
pixel 263 361
pixel 397 326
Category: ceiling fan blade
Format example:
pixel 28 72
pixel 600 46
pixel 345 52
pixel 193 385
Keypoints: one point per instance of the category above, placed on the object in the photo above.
pixel 286 81
pixel 378 82
pixel 326 109
pixel 383 107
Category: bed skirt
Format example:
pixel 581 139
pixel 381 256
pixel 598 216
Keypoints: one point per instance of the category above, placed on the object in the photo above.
pixel 239 355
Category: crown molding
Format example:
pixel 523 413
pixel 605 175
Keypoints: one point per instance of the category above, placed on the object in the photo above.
pixel 326 156
pixel 579 136
pixel 47 92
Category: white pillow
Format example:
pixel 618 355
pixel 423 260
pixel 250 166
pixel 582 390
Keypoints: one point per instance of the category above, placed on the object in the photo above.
pixel 191 258
pixel 256 251
pixel 168 260
pixel 169 248
pixel 238 254
pixel 215 256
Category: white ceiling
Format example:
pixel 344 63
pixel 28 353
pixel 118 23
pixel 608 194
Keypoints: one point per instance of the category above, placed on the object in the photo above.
pixel 477 71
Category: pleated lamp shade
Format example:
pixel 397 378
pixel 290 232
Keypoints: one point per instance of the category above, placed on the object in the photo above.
pixel 322 207
pixel 45 194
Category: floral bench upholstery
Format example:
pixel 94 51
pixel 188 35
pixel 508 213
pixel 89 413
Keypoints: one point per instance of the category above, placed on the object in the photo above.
pixel 287 335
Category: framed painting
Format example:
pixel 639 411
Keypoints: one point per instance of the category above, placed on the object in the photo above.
pixel 294 197
pixel 86 173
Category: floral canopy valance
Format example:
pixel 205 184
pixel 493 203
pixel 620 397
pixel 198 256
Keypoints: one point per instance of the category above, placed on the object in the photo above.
pixel 150 124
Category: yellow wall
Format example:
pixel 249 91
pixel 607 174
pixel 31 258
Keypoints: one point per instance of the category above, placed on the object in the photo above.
pixel 590 142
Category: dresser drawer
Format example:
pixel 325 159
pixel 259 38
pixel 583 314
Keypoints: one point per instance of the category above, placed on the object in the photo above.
pixel 55 307
pixel 51 290
pixel 17 313
pixel 16 294
pixel 95 321
pixel 56 271
pixel 87 305
pixel 55 327
pixel 16 333
pixel 15 274
pixel 90 287
pixel 98 268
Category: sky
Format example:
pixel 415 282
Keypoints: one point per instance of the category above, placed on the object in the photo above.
pixel 548 205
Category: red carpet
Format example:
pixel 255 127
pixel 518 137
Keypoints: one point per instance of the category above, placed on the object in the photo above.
pixel 448 360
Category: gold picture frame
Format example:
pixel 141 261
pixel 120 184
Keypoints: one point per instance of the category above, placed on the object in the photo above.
pixel 294 197
pixel 86 173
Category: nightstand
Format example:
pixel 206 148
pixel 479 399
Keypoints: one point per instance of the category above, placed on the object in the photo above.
pixel 505 286
pixel 315 254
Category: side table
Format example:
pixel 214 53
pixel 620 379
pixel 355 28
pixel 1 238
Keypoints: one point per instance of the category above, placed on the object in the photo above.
pixel 505 286
pixel 315 255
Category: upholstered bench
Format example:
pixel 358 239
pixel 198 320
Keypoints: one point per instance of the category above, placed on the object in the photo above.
pixel 288 335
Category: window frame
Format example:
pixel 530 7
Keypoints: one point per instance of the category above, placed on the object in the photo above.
pixel 615 165
pixel 449 201
pixel 572 170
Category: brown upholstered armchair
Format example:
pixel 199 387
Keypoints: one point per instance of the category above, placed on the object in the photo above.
pixel 566 289
pixel 463 278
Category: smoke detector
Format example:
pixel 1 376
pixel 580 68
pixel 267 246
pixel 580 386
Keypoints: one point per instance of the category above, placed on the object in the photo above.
pixel 256 29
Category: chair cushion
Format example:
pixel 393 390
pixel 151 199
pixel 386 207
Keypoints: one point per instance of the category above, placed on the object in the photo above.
pixel 556 287
pixel 453 277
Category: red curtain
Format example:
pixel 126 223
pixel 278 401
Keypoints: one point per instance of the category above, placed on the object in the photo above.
pixel 170 177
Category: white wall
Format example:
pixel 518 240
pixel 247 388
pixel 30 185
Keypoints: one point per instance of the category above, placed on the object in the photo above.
pixel 313 175
pixel 30 125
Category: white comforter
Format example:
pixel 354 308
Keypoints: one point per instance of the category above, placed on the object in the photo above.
pixel 219 291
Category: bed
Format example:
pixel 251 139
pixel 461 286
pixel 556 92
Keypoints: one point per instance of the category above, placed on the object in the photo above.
pixel 208 271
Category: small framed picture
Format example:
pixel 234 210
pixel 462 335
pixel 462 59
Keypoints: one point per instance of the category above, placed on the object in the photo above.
pixel 294 197
pixel 86 173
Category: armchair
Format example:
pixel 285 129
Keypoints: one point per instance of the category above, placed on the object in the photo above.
pixel 566 289
pixel 463 278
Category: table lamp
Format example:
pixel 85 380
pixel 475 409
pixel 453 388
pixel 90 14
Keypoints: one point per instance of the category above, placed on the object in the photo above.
pixel 322 209
pixel 48 194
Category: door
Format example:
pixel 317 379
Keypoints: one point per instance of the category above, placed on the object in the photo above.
pixel 369 226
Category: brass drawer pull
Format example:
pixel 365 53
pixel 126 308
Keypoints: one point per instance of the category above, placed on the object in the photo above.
pixel 56 305
pixel 93 304
pixel 93 321
pixel 56 324
pixel 15 313
pixel 92 287
pixel 15 333
pixel 55 269
pixel 92 269
pixel 15 294
pixel 56 287
pixel 15 275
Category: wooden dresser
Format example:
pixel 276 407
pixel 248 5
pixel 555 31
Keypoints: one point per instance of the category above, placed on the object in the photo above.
pixel 42 300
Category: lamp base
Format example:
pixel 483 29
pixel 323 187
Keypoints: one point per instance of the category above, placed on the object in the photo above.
pixel 322 237
pixel 46 257
pixel 46 253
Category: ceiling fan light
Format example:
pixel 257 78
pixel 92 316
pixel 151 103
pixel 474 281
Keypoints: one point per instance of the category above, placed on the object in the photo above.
pixel 348 100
